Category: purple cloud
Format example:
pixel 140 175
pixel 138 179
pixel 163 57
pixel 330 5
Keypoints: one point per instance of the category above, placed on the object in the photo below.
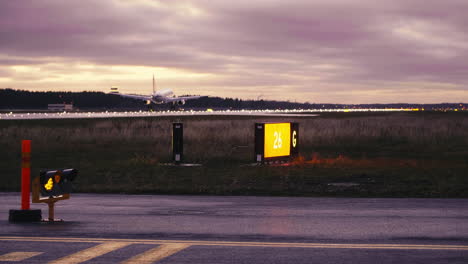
pixel 316 49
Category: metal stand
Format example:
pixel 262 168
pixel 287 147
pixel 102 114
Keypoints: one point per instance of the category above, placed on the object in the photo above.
pixel 51 210
pixel 51 218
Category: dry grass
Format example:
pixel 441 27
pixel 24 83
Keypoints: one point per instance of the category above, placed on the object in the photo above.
pixel 112 152
pixel 412 129
pixel 233 139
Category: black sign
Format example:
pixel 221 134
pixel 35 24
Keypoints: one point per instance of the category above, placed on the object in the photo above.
pixel 177 142
pixel 294 139
pixel 259 142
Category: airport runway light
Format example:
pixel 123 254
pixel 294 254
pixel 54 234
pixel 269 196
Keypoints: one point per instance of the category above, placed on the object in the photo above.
pixel 54 183
pixel 52 186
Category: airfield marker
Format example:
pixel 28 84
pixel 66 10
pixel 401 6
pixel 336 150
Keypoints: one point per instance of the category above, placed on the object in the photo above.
pixel 25 214
pixel 25 174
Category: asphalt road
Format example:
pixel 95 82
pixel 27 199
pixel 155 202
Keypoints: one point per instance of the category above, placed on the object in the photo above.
pixel 213 229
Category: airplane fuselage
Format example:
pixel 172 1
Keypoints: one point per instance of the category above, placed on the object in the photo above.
pixel 161 96
pixel 164 92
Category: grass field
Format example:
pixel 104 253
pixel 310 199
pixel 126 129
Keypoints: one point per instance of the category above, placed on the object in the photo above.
pixel 422 154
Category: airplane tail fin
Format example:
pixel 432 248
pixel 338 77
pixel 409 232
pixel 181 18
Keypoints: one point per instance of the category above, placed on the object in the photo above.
pixel 114 90
pixel 154 87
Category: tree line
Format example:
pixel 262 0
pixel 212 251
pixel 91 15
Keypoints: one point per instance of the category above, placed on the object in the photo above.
pixel 22 99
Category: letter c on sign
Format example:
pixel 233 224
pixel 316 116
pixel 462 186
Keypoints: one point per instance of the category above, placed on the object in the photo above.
pixel 294 140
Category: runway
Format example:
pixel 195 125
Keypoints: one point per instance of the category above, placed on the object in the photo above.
pixel 227 229
pixel 110 114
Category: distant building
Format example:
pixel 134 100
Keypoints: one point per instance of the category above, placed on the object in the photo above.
pixel 60 107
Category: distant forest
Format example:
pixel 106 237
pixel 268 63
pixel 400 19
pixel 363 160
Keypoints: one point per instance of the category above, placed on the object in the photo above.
pixel 20 99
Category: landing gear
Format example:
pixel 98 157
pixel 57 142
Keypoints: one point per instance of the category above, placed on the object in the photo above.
pixel 175 107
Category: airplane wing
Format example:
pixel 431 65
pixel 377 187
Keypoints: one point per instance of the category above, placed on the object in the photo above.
pixel 135 96
pixel 185 98
pixel 115 90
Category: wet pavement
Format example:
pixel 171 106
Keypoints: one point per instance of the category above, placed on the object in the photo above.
pixel 269 229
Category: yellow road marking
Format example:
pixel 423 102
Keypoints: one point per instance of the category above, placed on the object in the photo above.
pixel 18 256
pixel 156 254
pixel 90 253
pixel 239 244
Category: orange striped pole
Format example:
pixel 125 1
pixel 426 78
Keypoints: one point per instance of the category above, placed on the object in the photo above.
pixel 25 174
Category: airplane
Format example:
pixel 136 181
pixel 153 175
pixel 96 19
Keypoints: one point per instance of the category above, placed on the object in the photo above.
pixel 158 97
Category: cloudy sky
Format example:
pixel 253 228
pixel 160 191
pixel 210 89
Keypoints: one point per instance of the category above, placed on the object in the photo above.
pixel 323 51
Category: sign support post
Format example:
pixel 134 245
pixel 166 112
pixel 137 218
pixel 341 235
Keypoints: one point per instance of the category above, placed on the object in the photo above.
pixel 51 211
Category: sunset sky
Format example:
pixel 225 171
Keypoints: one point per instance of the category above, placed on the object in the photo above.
pixel 322 51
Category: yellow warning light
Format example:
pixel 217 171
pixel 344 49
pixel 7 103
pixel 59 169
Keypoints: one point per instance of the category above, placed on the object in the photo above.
pixel 277 140
pixel 49 185
pixel 209 110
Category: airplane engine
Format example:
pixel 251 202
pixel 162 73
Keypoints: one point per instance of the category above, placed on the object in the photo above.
pixel 181 102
